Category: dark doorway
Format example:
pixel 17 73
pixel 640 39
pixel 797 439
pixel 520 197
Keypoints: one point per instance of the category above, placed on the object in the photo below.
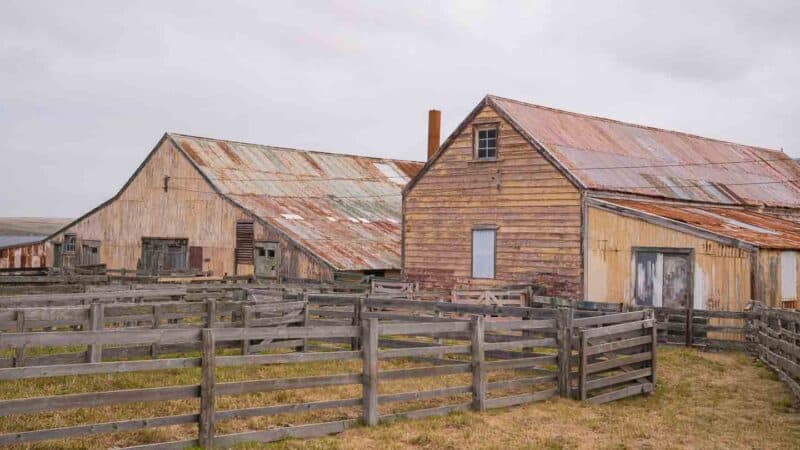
pixel 162 255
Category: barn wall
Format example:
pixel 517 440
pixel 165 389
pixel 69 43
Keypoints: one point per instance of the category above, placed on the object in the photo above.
pixel 721 273
pixel 295 263
pixel 779 277
pixel 24 257
pixel 537 211
pixel 189 209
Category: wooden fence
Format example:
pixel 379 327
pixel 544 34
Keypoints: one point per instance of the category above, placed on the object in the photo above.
pixel 617 356
pixel 777 335
pixel 465 352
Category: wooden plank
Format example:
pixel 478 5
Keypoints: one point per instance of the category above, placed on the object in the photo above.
pixel 502 402
pixel 583 350
pixel 542 342
pixel 95 428
pixel 621 393
pixel 425 372
pixel 237 334
pixel 280 358
pixel 522 382
pixel 18 373
pixel 564 319
pixel 423 328
pixel 369 342
pixel 95 353
pixel 276 434
pixel 617 345
pixel 205 425
pixel 19 355
pixel 520 325
pixel 621 328
pixel 274 384
pixel 424 351
pixel 478 364
pixel 106 337
pixel 617 362
pixel 619 378
pixel 609 319
pixel 423 395
pixel 428 412
pixel 92 399
pixel 519 363
pixel 263 411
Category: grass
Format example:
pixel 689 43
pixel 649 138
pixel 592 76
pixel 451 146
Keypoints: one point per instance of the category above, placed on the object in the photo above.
pixel 703 400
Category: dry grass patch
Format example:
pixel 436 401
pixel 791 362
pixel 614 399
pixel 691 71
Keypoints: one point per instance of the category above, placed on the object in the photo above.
pixel 703 400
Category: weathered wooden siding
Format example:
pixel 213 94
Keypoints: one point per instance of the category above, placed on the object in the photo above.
pixel 721 273
pixel 189 209
pixel 537 211
pixel 25 256
pixel 295 263
pixel 778 279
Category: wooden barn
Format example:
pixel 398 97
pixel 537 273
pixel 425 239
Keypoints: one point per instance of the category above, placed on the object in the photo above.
pixel 591 208
pixel 208 205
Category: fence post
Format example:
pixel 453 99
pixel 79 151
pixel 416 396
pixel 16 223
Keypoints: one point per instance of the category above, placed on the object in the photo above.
pixel 358 309
pixel 19 357
pixel 156 324
pixel 304 347
pixel 478 365
pixel 205 427
pixel 369 354
pixel 564 323
pixel 584 361
pixel 96 313
pixel 653 345
pixel 246 324
pixel 211 313
pixel 689 326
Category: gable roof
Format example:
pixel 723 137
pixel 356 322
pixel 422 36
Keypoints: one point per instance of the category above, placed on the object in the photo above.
pixel 761 230
pixel 345 209
pixel 609 155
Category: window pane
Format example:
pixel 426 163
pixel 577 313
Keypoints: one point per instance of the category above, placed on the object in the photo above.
pixel 483 253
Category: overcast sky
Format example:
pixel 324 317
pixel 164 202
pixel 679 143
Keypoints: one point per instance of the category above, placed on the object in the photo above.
pixel 87 88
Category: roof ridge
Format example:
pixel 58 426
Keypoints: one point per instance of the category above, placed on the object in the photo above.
pixel 621 122
pixel 293 149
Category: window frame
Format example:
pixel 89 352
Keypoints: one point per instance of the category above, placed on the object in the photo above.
pixel 484 126
pixel 74 238
pixel 482 227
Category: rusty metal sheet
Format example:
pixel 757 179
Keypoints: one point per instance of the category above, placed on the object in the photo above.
pixel 760 229
pixel 344 208
pixel 605 154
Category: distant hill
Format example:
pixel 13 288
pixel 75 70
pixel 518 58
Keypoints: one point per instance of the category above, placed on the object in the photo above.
pixel 18 230
pixel 20 226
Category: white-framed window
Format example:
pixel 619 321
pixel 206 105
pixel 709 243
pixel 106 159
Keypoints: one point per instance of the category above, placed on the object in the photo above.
pixel 483 252
pixel 69 243
pixel 486 142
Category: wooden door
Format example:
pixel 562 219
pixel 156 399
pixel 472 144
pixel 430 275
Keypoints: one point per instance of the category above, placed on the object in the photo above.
pixel 663 278
pixel 676 284
pixel 267 259
pixel 196 258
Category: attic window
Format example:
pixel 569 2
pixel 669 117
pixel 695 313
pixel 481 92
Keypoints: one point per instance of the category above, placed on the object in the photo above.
pixel 485 144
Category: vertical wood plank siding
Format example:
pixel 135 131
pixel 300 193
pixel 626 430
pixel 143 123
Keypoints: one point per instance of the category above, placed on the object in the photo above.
pixel 536 209
pixel 189 209
pixel 721 273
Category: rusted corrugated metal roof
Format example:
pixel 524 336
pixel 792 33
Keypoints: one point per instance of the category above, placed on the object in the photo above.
pixel 759 229
pixel 346 209
pixel 609 155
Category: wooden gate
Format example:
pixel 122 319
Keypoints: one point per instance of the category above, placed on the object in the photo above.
pixel 617 356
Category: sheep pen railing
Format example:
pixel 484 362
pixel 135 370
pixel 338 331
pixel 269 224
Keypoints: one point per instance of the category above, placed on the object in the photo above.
pixel 406 358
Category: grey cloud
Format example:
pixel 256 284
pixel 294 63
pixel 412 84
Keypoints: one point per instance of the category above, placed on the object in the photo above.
pixel 86 89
